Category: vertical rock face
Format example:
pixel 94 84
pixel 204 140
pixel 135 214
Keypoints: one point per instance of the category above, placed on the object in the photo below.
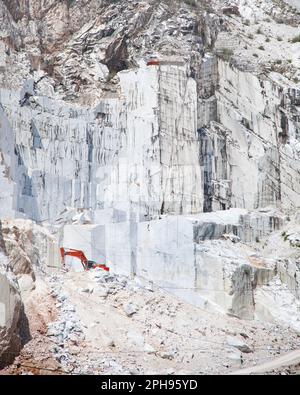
pixel 137 148
pixel 7 166
pixel 199 257
pixel 243 299
pixel 245 153
pixel 181 173
pixel 10 310
pixel 140 146
pixel 195 133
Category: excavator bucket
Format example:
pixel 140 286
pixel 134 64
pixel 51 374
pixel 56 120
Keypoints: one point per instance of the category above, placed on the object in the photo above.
pixel 103 267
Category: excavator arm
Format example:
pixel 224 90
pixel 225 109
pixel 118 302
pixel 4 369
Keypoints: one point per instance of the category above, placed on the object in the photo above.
pixel 75 253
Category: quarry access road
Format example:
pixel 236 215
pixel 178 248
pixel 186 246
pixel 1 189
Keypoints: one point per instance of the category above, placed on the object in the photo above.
pixel 291 358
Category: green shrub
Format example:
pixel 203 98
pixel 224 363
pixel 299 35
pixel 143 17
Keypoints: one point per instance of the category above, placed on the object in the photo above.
pixel 192 3
pixel 296 39
pixel 225 53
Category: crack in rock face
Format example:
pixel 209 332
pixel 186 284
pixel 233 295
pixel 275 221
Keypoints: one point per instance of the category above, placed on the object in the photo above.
pixel 243 300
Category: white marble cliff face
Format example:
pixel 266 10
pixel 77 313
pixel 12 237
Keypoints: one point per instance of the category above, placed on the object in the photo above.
pixel 194 134
pixel 251 154
pixel 138 148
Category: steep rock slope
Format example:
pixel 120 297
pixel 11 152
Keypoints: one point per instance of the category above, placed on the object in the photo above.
pixel 24 250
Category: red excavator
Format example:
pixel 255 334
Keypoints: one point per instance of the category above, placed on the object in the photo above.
pixel 87 265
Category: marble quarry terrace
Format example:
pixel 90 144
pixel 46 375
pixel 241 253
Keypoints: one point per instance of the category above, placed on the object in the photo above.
pixel 149 187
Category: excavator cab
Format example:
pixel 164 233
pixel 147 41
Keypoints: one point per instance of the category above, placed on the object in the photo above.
pixel 91 264
pixel 94 265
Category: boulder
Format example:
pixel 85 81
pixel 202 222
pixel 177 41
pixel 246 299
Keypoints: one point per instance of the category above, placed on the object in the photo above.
pixel 136 338
pixel 130 309
pixel 167 355
pixel 239 344
pixel 10 313
pixel 149 349
pixel 26 284
pixel 231 10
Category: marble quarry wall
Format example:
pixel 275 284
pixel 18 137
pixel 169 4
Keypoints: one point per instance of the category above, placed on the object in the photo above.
pixel 137 148
pixel 198 257
pixel 250 152
pixel 142 166
pixel 158 145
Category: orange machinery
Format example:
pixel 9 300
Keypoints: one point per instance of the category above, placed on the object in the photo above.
pixel 153 61
pixel 87 265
